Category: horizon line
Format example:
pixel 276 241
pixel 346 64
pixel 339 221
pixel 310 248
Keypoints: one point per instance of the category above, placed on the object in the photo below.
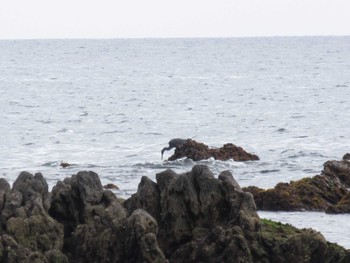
pixel 175 37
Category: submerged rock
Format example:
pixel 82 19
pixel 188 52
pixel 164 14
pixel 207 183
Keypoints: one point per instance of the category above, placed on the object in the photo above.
pixel 190 217
pixel 199 151
pixel 326 192
pixel 65 164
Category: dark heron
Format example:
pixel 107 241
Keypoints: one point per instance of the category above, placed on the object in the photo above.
pixel 173 144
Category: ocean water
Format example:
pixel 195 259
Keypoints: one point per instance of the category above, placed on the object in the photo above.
pixel 111 105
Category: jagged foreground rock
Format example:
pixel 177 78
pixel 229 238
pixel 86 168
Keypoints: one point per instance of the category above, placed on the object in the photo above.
pixel 191 217
pixel 98 228
pixel 325 192
pixel 204 219
pixel 28 233
pixel 199 151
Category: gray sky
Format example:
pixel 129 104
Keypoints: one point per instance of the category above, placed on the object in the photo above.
pixel 176 18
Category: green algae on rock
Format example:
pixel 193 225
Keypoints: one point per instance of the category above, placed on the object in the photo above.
pixel 325 192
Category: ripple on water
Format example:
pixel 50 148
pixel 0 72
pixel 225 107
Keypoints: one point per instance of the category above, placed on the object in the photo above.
pixel 282 130
pixel 270 171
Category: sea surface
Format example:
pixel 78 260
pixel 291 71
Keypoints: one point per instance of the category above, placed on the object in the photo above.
pixel 110 106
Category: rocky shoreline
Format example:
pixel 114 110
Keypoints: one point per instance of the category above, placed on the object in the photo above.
pixel 191 217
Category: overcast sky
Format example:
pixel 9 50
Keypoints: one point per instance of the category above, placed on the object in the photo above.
pixel 177 18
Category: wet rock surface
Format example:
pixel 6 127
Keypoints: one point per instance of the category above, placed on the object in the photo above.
pixel 325 192
pixel 190 217
pixel 198 151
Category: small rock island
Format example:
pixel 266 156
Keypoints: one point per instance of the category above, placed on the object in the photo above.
pixel 199 151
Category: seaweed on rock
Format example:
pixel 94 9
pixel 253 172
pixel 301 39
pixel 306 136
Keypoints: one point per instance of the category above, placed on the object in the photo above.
pixel 325 192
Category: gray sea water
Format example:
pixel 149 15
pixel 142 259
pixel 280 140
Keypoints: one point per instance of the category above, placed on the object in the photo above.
pixel 111 105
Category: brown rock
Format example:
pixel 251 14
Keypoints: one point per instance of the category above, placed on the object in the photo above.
pixel 111 186
pixel 338 170
pixel 315 194
pixel 199 151
pixel 325 192
pixel 65 165
pixel 346 157
pixel 343 206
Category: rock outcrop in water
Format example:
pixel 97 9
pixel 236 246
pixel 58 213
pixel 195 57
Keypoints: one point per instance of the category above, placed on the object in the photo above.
pixel 325 192
pixel 191 217
pixel 199 151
